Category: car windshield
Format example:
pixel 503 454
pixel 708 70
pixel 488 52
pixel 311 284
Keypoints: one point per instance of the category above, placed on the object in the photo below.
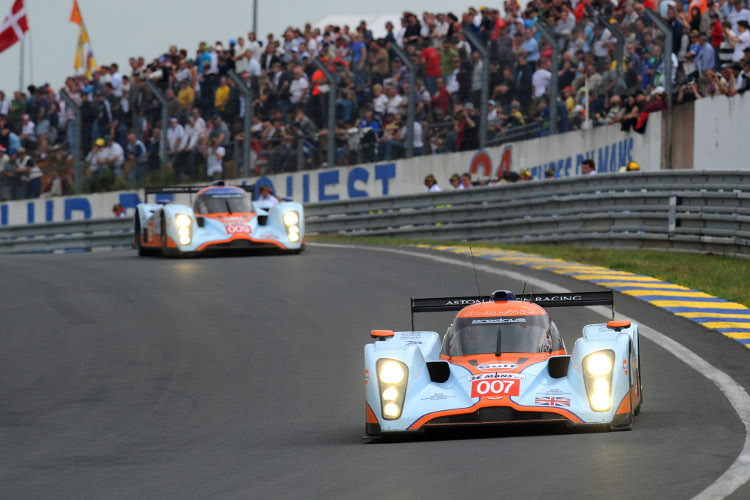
pixel 217 201
pixel 497 335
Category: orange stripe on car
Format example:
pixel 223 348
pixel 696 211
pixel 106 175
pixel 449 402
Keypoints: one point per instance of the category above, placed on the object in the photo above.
pixel 625 404
pixel 371 418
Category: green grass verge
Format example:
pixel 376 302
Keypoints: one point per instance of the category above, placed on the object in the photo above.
pixel 724 277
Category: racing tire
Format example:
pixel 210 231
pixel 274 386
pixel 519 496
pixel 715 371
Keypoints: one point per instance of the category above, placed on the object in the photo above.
pixel 164 250
pixel 639 381
pixel 624 421
pixel 137 237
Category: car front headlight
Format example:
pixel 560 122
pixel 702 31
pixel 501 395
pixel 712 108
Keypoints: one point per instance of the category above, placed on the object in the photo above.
pixel 182 220
pixel 183 223
pixel 393 376
pixel 597 376
pixel 291 218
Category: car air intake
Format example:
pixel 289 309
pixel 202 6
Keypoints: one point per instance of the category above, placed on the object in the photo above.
pixel 496 414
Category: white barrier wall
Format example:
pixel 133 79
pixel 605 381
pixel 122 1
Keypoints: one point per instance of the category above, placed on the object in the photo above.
pixel 721 133
pixel 609 147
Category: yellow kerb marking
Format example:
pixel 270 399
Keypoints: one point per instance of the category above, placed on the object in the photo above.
pixel 697 305
pixel 671 293
pixel 713 315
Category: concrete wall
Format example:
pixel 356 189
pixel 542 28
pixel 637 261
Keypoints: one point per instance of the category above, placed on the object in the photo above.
pixel 722 139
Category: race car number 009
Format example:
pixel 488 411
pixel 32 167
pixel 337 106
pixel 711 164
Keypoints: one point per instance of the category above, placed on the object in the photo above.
pixel 481 388
pixel 238 228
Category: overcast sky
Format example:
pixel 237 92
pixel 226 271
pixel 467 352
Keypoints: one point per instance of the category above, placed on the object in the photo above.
pixel 124 28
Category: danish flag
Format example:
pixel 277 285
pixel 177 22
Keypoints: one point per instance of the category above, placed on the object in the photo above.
pixel 14 26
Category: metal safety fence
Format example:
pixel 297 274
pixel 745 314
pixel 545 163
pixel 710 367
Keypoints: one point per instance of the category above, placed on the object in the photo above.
pixel 685 211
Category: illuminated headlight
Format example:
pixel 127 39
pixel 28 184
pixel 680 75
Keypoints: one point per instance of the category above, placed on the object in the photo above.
pixel 182 221
pixel 291 218
pixel 391 372
pixel 391 410
pixel 392 377
pixel 598 364
pixel 390 394
pixel 597 371
pixel 294 236
pixel 600 401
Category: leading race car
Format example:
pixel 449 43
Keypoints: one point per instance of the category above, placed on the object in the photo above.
pixel 221 218
pixel 502 360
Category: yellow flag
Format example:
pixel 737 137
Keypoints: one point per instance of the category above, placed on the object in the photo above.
pixel 83 38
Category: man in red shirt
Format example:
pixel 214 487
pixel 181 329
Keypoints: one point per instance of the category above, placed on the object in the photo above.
pixel 441 101
pixel 431 60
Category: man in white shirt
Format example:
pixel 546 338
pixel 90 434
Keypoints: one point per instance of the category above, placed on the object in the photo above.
pixel 4 104
pixel 418 143
pixel 738 13
pixel 394 101
pixel 175 134
pixel 214 166
pixel 540 79
pixel 431 183
pixel 112 156
pixel 741 41
pixel 299 87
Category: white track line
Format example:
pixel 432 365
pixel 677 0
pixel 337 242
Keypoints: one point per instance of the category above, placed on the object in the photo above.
pixel 732 478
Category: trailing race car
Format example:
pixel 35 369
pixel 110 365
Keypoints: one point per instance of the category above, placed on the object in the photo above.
pixel 221 218
pixel 502 360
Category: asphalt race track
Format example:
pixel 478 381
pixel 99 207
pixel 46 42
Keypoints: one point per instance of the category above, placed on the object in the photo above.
pixel 241 377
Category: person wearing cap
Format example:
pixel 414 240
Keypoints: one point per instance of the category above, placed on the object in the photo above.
pixel 740 40
pixel 112 156
pixel 431 183
pixel 455 181
pixel 525 175
pixel 266 196
pixel 630 167
pixel 92 159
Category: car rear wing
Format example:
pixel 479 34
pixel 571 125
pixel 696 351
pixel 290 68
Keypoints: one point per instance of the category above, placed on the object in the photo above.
pixel 572 299
pixel 188 189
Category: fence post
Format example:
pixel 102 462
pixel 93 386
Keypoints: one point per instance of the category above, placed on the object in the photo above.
pixel 412 94
pixel 247 93
pixel 333 91
pixel 620 42
pixel 485 93
pixel 76 146
pixel 553 83
pixel 164 122
pixel 667 55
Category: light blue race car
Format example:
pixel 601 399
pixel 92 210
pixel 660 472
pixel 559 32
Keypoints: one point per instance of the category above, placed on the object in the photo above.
pixel 220 218
pixel 502 360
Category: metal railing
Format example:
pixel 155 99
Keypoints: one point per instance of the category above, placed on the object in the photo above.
pixel 681 210
pixel 687 211
pixel 80 235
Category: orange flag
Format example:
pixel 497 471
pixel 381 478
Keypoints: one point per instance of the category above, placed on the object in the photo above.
pixel 75 16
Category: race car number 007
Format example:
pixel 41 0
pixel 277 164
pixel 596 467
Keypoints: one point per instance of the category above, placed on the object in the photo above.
pixel 495 388
pixel 238 228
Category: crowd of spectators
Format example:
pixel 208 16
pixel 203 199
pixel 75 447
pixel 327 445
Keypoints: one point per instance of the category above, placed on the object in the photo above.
pixel 120 121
